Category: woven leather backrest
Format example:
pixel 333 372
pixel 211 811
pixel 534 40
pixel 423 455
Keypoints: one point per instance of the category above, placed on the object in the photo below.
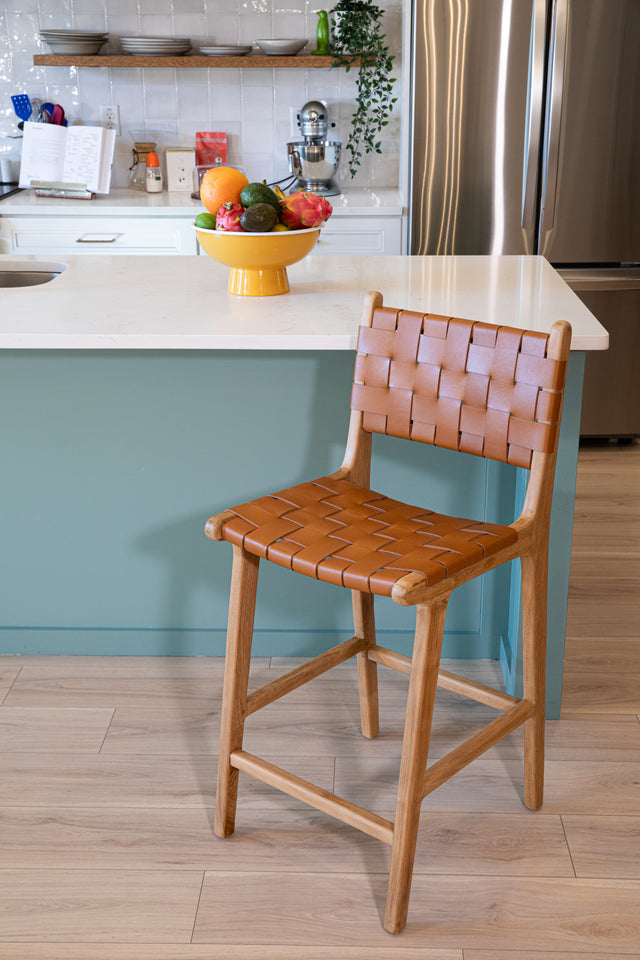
pixel 476 387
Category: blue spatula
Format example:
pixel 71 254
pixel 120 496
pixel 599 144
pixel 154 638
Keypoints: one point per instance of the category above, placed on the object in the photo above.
pixel 22 106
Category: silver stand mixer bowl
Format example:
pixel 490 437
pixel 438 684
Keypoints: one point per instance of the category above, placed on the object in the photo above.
pixel 314 163
pixel 314 160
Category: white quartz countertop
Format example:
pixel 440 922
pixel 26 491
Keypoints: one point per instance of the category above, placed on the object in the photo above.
pixel 182 303
pixel 129 203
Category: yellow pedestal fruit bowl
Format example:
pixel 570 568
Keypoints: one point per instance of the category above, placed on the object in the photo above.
pixel 258 261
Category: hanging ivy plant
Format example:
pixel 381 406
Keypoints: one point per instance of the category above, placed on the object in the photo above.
pixel 357 32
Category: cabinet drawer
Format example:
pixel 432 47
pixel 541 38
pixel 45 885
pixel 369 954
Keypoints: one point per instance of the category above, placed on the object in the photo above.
pixel 104 235
pixel 368 236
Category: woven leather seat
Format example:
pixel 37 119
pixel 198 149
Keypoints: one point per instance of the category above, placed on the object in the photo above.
pixel 485 390
pixel 338 532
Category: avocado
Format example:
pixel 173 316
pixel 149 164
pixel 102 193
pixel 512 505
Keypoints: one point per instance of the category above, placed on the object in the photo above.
pixel 259 218
pixel 254 193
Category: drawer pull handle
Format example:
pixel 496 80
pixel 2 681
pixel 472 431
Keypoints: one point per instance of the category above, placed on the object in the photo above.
pixel 98 238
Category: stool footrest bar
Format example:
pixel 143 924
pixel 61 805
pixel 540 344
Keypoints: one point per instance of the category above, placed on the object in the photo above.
pixel 476 691
pixel 442 770
pixel 307 671
pixel 389 658
pixel 448 681
pixel 350 813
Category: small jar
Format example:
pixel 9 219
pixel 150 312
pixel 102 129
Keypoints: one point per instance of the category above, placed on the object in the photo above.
pixel 154 173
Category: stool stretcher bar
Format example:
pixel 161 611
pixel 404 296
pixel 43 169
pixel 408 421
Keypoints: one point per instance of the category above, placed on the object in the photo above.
pixel 448 681
pixel 307 671
pixel 350 813
pixel 442 770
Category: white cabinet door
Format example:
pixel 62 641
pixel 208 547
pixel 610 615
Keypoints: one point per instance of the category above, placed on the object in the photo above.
pixel 361 236
pixel 105 235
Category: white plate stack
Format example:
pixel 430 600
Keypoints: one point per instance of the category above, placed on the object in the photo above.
pixel 156 46
pixel 226 50
pixel 81 42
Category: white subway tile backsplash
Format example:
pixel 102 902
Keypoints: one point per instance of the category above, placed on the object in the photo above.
pixel 221 29
pixel 191 25
pixel 251 28
pixel 155 7
pixel 188 6
pixel 91 21
pixel 121 25
pixel 62 10
pixel 156 24
pixel 20 6
pixel 116 7
pixel 213 8
pixel 290 24
pixel 226 98
pixel 252 106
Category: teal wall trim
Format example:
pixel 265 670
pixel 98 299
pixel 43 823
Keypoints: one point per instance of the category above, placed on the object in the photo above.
pixel 211 643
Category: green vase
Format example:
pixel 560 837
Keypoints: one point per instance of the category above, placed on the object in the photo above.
pixel 322 34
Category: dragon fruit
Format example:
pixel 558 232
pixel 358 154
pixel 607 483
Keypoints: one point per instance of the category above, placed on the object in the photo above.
pixel 228 217
pixel 302 210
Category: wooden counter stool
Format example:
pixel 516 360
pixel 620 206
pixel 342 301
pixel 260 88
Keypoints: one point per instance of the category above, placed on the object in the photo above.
pixel 489 391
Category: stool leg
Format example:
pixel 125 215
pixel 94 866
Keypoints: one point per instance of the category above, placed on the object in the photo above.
pixel 423 684
pixel 364 626
pixel 534 643
pixel 242 601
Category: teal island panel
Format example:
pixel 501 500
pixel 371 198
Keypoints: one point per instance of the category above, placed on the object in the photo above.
pixel 114 460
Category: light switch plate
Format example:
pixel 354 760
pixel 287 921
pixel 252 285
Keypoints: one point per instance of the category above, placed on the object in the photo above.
pixel 180 164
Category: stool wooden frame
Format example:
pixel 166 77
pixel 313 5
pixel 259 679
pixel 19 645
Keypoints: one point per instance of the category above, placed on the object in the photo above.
pixel 465 357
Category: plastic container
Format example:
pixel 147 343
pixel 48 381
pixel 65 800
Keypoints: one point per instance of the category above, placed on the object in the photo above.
pixel 154 173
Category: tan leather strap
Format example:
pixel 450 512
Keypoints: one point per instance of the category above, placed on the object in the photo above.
pixel 477 387
pixel 338 532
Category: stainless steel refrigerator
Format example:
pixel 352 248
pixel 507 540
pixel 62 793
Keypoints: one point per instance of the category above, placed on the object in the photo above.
pixel 526 139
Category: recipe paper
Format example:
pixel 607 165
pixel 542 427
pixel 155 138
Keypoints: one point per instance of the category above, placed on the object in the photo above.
pixel 75 154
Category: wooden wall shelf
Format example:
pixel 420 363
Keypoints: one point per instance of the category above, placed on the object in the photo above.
pixel 184 63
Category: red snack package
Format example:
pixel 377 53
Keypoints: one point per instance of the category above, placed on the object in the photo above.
pixel 210 147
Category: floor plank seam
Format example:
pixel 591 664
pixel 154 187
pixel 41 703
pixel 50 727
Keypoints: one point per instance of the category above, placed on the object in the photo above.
pixel 106 733
pixel 566 840
pixel 199 901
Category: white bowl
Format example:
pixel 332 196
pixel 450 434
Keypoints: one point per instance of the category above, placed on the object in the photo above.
pixel 83 47
pixel 73 35
pixel 281 48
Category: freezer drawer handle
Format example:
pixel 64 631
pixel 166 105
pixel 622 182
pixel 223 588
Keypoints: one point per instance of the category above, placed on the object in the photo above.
pixel 98 238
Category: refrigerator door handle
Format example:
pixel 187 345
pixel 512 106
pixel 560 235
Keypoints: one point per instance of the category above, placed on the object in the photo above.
pixel 554 112
pixel 534 114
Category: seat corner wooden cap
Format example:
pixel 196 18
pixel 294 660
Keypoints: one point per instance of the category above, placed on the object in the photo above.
pixel 410 589
pixel 213 526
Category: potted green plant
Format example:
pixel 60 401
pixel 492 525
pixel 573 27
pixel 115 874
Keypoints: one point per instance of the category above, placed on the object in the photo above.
pixel 356 31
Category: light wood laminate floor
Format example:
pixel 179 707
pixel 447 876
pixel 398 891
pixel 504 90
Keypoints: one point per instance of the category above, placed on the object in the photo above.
pixel 107 790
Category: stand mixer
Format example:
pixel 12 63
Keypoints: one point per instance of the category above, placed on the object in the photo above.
pixel 314 160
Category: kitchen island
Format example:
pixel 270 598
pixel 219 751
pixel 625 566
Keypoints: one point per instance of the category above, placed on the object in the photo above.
pixel 139 398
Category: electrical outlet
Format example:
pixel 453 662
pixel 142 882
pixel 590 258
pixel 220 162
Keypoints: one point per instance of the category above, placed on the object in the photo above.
pixel 293 120
pixel 111 117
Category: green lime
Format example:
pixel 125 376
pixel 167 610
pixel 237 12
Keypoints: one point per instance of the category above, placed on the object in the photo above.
pixel 206 220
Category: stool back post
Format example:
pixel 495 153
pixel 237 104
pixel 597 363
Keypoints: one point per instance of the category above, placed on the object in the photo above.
pixel 539 493
pixel 356 465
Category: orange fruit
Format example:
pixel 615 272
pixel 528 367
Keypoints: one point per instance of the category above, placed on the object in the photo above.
pixel 221 185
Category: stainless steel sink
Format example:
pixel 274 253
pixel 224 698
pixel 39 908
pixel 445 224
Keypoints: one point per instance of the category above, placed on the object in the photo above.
pixel 28 273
